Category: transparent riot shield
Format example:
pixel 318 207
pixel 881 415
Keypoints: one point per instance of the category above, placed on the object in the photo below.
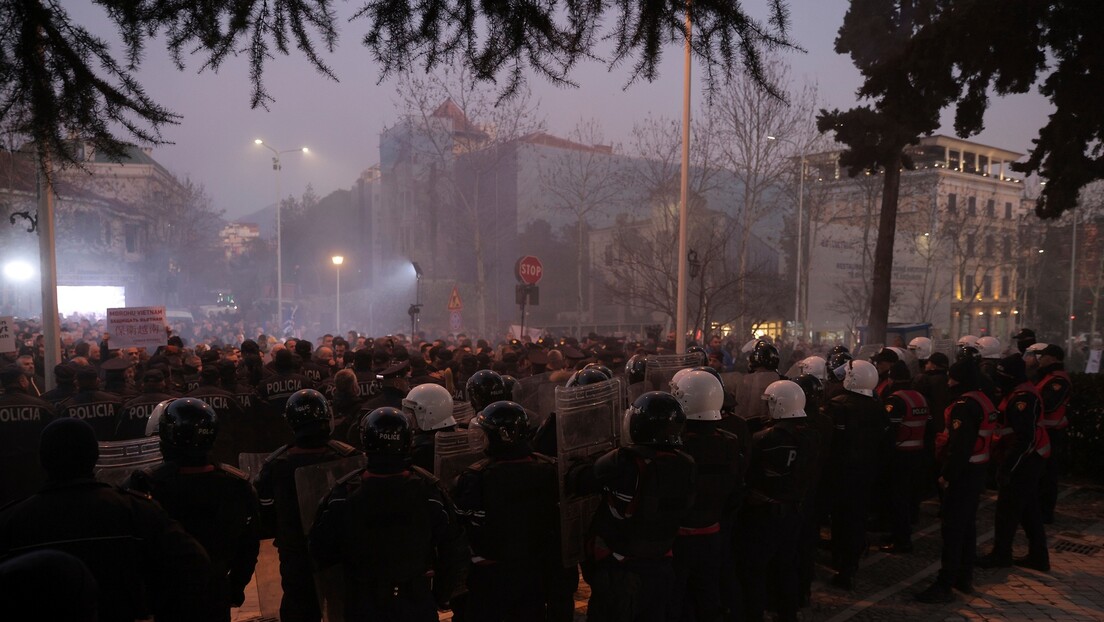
pixel 867 351
pixel 588 423
pixel 118 459
pixel 909 357
pixel 453 452
pixel 252 463
pixel 266 578
pixel 946 346
pixel 537 395
pixel 660 368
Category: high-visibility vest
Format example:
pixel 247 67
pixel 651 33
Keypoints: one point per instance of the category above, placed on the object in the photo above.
pixel 1055 418
pixel 989 416
pixel 911 423
pixel 1040 444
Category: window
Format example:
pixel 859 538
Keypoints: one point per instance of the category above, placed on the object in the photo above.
pixel 131 233
pixel 990 246
pixel 954 160
pixel 970 239
pixel 1006 287
pixel 1008 210
pixel 952 203
pixel 971 206
pixel 991 208
pixel 1008 247
pixel 987 287
pixel 968 286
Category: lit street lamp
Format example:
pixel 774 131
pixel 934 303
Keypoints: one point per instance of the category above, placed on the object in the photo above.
pixel 800 232
pixel 337 261
pixel 276 166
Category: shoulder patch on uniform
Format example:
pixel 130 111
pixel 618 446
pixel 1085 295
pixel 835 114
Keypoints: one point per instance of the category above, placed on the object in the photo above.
pixel 889 408
pixel 233 470
pixel 344 449
pixel 1057 386
pixel 1021 405
pixel 956 424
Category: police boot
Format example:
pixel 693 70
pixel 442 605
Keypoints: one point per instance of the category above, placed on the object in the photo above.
pixel 1028 561
pixel 993 560
pixel 936 593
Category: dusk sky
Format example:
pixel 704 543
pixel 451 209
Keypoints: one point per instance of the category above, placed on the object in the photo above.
pixel 341 121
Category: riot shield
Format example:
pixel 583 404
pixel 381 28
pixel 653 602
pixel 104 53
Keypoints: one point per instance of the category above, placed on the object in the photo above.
pixel 453 452
pixel 119 458
pixel 267 575
pixel 909 357
pixel 462 413
pixel 660 368
pixel 867 351
pixel 252 463
pixel 314 482
pixel 538 396
pixel 946 346
pixel 588 423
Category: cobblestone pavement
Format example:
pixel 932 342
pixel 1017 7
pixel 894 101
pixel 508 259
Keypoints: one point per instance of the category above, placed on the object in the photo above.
pixel 885 585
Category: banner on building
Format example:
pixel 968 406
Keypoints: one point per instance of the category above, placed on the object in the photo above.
pixel 7 334
pixel 136 327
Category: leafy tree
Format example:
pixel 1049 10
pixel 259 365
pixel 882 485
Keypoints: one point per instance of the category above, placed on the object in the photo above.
pixel 56 77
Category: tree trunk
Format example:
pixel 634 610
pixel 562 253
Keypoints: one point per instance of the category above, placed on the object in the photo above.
pixel 883 254
pixel 579 258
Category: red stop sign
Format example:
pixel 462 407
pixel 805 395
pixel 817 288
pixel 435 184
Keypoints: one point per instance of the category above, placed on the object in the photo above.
pixel 529 270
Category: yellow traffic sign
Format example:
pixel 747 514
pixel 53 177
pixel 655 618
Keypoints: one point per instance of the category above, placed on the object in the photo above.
pixel 454 302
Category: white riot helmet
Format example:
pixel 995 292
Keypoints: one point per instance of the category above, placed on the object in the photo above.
pixel 154 420
pixel 967 340
pixel 1034 349
pixel 861 378
pixel 700 394
pixel 678 376
pixel 989 347
pixel 784 399
pixel 431 406
pixel 814 366
pixel 921 347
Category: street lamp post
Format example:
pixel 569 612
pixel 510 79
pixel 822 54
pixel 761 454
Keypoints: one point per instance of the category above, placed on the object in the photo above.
pixel 337 261
pixel 277 166
pixel 800 232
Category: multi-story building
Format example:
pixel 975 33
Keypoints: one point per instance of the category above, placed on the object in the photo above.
pixel 957 251
pixel 236 237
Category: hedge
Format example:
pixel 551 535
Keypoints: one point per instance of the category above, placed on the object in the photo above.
pixel 1086 416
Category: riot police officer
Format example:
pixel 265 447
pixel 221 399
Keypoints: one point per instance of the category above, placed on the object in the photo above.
pixel 430 408
pixel 234 434
pixel 483 388
pixel 1022 446
pixel 763 363
pixel 22 419
pixel 704 537
pixel 817 504
pixel 647 488
pixel 856 447
pixel 308 414
pixel 287 380
pixel 389 526
pixel 214 502
pixel 144 563
pixel 1055 389
pixel 135 413
pixel 99 408
pixel 964 449
pixel 909 418
pixel 782 459
pixel 508 505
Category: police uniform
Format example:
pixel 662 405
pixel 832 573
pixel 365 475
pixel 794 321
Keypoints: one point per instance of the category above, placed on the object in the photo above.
pixel 1055 388
pixel 217 506
pixel 235 435
pixel 280 518
pixel 783 457
pixel 509 508
pixel 647 494
pixel 909 418
pixel 99 408
pixel 390 532
pixel 276 389
pixel 132 418
pixel 22 418
pixel 704 537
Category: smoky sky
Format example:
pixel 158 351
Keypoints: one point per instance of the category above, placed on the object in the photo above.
pixel 341 121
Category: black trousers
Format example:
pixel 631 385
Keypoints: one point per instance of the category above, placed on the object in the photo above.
pixel 1055 467
pixel 300 601
pixel 959 527
pixel 849 509
pixel 632 590
pixel 505 592
pixel 696 593
pixel 1018 503
pixel 766 550
pixel 906 469
pixel 410 602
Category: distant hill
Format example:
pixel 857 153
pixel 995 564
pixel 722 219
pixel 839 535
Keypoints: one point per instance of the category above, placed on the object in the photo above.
pixel 264 218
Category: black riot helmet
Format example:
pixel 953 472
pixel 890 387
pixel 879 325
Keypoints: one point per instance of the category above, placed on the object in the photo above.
pixel 764 356
pixel 485 387
pixel 586 376
pixel 813 388
pixel 838 349
pixel 509 382
pixel 187 429
pixel 837 360
pixel 307 412
pixel 506 426
pixel 967 353
pixel 386 432
pixel 656 418
pixel 700 351
pixel 602 368
pixel 636 368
